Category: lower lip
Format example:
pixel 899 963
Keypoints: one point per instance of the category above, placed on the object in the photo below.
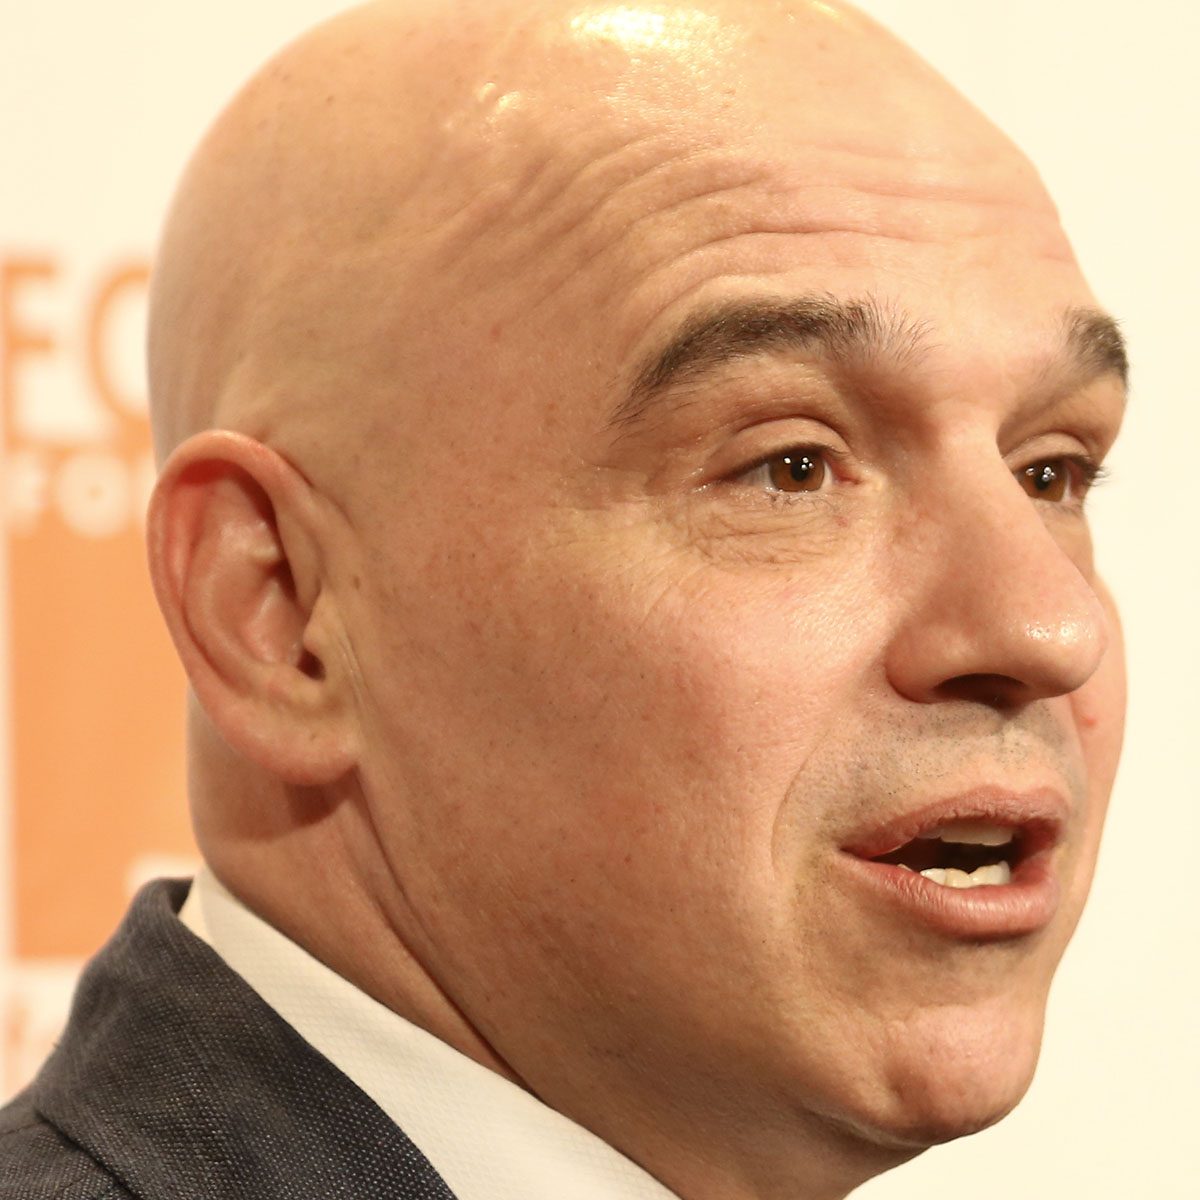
pixel 1015 909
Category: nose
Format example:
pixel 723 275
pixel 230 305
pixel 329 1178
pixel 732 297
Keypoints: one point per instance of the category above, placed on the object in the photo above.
pixel 994 606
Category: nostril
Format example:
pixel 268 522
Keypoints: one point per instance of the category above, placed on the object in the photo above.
pixel 1000 692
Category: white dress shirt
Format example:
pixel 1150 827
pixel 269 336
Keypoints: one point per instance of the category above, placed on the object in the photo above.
pixel 487 1138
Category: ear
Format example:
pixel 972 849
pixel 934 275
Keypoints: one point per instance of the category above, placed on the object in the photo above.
pixel 235 547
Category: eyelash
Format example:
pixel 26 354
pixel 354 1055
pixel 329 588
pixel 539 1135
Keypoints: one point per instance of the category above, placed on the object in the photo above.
pixel 1088 475
pixel 1092 474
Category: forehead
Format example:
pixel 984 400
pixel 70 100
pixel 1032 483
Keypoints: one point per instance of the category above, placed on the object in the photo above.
pixel 658 156
pixel 574 220
pixel 656 230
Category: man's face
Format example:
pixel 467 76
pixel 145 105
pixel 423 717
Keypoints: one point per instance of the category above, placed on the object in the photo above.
pixel 655 660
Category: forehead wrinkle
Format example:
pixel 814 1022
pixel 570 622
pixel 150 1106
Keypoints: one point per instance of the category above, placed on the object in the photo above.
pixel 608 237
pixel 579 214
pixel 647 246
pixel 813 187
pixel 991 180
pixel 537 221
pixel 518 209
pixel 844 167
pixel 806 208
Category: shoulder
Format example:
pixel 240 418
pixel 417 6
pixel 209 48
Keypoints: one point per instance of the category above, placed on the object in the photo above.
pixel 37 1162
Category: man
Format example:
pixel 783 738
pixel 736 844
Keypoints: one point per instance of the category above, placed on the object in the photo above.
pixel 622 517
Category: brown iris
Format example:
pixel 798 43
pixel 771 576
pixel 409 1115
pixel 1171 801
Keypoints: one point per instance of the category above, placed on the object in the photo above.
pixel 1046 480
pixel 797 471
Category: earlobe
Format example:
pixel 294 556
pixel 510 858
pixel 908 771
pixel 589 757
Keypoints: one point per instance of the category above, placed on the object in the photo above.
pixel 235 557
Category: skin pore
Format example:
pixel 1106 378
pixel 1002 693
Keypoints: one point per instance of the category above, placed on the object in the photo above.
pixel 534 691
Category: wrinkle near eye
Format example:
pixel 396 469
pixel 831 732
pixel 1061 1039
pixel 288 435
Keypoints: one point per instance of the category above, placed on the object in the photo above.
pixel 736 535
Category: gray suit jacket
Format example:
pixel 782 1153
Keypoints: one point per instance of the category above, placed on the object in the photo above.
pixel 174 1081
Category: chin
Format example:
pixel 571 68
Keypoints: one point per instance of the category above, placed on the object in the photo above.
pixel 949 1075
pixel 932 1118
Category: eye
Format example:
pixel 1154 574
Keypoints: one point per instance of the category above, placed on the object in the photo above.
pixel 1057 479
pixel 1046 480
pixel 797 469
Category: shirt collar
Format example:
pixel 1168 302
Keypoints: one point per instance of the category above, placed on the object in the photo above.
pixel 487 1138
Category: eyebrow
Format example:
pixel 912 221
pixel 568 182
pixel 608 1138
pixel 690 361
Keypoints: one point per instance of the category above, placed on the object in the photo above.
pixel 1095 342
pixel 847 331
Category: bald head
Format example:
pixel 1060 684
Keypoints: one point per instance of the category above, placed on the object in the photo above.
pixel 412 174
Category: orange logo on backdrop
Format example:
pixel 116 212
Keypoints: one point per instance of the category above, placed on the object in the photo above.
pixel 96 693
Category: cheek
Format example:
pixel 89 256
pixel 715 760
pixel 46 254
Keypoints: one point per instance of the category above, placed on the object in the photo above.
pixel 1098 709
pixel 633 715
pixel 658 714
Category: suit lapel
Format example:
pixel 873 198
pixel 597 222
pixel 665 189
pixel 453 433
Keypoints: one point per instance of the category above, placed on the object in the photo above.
pixel 183 1083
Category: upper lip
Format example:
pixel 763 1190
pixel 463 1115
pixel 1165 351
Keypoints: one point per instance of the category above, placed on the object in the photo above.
pixel 1036 814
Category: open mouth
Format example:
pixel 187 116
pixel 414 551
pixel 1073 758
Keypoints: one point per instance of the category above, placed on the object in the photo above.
pixel 979 866
pixel 963 854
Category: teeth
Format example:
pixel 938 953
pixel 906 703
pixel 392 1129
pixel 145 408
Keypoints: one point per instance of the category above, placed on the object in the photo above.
pixel 996 875
pixel 973 833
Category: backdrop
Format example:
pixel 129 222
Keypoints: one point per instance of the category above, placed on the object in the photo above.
pixel 101 104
